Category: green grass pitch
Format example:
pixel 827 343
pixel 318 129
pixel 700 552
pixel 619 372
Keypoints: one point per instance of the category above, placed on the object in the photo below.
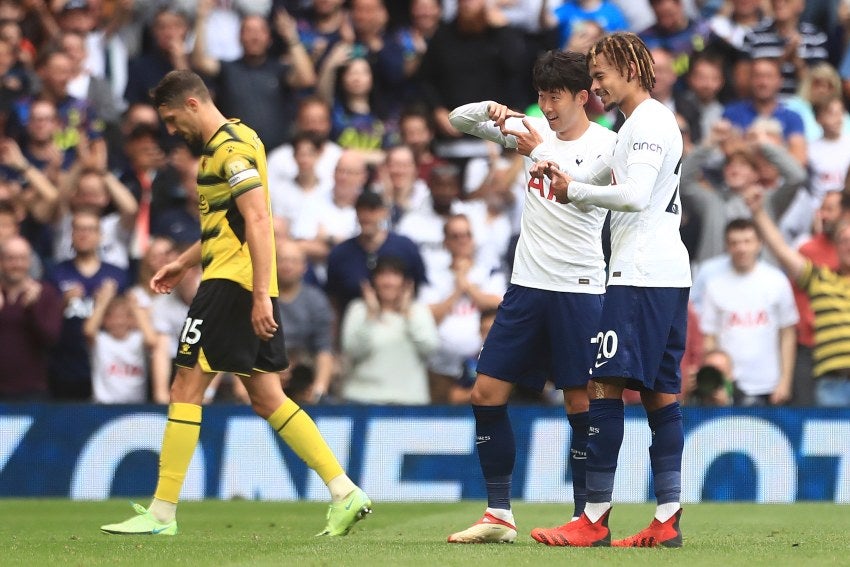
pixel 214 533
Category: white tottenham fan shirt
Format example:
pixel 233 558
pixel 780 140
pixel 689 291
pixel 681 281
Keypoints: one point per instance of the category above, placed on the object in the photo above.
pixel 560 246
pixel 646 249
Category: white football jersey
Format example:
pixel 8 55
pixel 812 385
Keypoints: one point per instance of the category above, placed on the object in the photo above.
pixel 646 249
pixel 560 246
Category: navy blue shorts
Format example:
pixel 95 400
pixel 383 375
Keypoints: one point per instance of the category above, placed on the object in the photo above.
pixel 541 335
pixel 642 337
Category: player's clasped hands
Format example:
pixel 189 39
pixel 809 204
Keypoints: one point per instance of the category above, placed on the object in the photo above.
pixel 559 181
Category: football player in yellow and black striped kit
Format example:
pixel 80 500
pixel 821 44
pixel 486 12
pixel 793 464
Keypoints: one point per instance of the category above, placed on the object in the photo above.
pixel 233 324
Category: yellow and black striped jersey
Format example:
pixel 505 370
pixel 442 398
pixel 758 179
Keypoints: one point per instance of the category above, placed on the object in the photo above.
pixel 829 293
pixel 233 162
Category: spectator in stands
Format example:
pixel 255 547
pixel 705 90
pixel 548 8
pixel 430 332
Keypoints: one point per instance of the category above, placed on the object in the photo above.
pixel 425 17
pixel 829 156
pixel 119 336
pixel 313 117
pixel 77 118
pixel 820 84
pixel 149 179
pixel 10 227
pixel 748 311
pixel 305 195
pixel 78 279
pixel 475 56
pixel 180 219
pixel 169 30
pixel 729 28
pixel 713 381
pixel 796 44
pixel 38 196
pixel 456 295
pixel 705 82
pixel 308 318
pixel 572 14
pixel 492 185
pixel 95 189
pixel 374 41
pixel 15 81
pixel 829 292
pixel 351 262
pixel 717 204
pixel 39 142
pixel 417 131
pixel 358 120
pixel 398 183
pixel 258 88
pixel 424 225
pixel 336 220
pixel 820 250
pixel 675 31
pixel 86 86
pixel 103 27
pixel 321 28
pixel 764 101
pixel 30 323
pixel 137 114
pixel 386 338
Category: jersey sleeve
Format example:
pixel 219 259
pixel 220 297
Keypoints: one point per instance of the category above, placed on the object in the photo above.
pixel 239 167
pixel 648 143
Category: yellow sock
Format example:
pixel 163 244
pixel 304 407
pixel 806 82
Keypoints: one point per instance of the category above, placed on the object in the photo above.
pixel 178 446
pixel 299 431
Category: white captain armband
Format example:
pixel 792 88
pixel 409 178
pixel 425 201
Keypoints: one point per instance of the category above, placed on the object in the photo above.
pixel 242 176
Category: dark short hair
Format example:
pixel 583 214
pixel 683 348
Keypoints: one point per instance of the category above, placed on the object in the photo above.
pixel 389 264
pixel 175 86
pixel 740 224
pixel 143 131
pixel 369 199
pixel 558 70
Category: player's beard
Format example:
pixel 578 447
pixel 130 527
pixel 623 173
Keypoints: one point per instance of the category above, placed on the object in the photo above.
pixel 194 141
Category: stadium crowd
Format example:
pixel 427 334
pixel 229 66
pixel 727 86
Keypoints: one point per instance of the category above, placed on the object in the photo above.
pixel 394 230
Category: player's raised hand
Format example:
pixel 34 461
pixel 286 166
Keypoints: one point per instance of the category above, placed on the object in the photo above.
pixel 525 141
pixel 542 168
pixel 498 113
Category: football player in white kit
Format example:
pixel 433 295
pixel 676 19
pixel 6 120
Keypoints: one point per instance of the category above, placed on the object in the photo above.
pixel 641 335
pixel 544 326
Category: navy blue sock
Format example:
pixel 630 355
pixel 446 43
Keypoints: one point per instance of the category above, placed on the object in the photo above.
pixel 494 440
pixel 578 459
pixel 605 435
pixel 665 453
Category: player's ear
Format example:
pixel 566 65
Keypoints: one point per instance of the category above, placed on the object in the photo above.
pixel 582 96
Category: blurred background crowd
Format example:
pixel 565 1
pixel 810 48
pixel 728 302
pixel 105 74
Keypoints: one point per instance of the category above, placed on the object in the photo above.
pixel 394 231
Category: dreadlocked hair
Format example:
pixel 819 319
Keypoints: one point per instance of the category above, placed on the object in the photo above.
pixel 623 48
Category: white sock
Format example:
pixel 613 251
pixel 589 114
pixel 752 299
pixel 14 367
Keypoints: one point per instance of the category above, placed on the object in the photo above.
pixel 162 510
pixel 502 514
pixel 340 487
pixel 595 510
pixel 666 511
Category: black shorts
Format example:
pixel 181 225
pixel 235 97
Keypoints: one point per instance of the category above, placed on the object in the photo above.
pixel 218 334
